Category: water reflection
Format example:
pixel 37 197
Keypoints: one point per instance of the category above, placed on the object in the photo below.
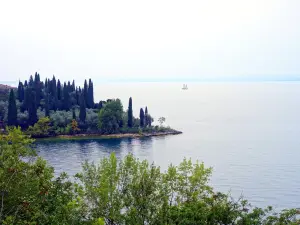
pixel 69 155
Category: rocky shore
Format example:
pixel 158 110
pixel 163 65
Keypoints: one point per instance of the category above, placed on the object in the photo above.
pixel 126 135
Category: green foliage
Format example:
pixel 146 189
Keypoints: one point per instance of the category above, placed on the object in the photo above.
pixel 92 119
pixel 90 95
pixel 12 109
pixel 73 114
pixel 134 192
pixel 21 93
pixel 111 117
pixel 59 90
pixel 85 93
pixel 61 118
pixel 21 181
pixel 115 191
pixel 142 118
pixel 130 113
pixel 32 107
pixel 47 106
pixel 23 119
pixel 28 193
pixel 66 100
pixel 82 113
pixel 40 129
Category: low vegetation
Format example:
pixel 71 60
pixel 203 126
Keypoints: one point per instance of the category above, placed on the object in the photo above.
pixel 114 192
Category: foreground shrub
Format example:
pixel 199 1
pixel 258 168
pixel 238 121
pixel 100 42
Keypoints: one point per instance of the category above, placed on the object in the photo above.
pixel 115 191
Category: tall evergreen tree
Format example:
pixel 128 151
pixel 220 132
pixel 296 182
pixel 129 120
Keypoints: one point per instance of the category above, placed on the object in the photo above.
pixel 73 85
pixel 20 91
pixel 25 83
pixel 74 114
pixel 85 93
pixel 30 81
pixel 59 92
pixel 82 112
pixel 46 83
pixel 142 118
pixel 90 94
pixel 47 110
pixel 32 110
pixel 130 113
pixel 54 93
pixel 146 117
pixel 12 110
pixel 37 88
pixel 69 87
pixel 77 96
pixel 27 96
pixel 66 100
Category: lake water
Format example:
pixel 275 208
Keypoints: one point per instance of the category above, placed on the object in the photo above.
pixel 248 132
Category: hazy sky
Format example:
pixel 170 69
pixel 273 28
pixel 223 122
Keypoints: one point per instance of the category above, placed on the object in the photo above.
pixel 150 40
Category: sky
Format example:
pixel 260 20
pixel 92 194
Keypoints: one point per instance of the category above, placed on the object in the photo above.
pixel 157 40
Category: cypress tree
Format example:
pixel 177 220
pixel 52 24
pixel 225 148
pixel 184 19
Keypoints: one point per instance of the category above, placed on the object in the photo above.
pixel 25 83
pixel 46 83
pixel 130 113
pixel 85 93
pixel 37 88
pixel 20 91
pixel 66 100
pixel 30 81
pixel 47 112
pixel 26 101
pixel 82 112
pixel 73 85
pixel 12 110
pixel 59 90
pixel 146 117
pixel 90 94
pixel 74 114
pixel 69 87
pixel 54 93
pixel 32 109
pixel 142 118
pixel 77 96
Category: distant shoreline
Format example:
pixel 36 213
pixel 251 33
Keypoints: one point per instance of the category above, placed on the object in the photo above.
pixel 109 136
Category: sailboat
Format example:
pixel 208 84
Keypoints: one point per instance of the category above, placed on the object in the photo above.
pixel 185 87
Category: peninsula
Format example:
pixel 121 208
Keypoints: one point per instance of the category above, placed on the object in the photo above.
pixel 52 108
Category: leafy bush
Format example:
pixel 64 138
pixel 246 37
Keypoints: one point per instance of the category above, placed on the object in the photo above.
pixel 40 113
pixel 92 119
pixel 61 118
pixel 134 192
pixel 40 129
pixel 114 192
pixel 111 117
pixel 28 192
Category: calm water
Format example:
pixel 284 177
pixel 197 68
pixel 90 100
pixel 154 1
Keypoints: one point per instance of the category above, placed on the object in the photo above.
pixel 248 132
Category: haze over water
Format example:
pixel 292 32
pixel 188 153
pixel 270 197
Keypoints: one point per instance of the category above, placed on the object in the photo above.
pixel 248 132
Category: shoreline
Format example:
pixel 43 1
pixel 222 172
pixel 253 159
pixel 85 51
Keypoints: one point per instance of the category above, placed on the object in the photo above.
pixel 108 136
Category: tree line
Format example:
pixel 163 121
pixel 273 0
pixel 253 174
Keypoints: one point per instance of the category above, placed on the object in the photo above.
pixel 64 102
